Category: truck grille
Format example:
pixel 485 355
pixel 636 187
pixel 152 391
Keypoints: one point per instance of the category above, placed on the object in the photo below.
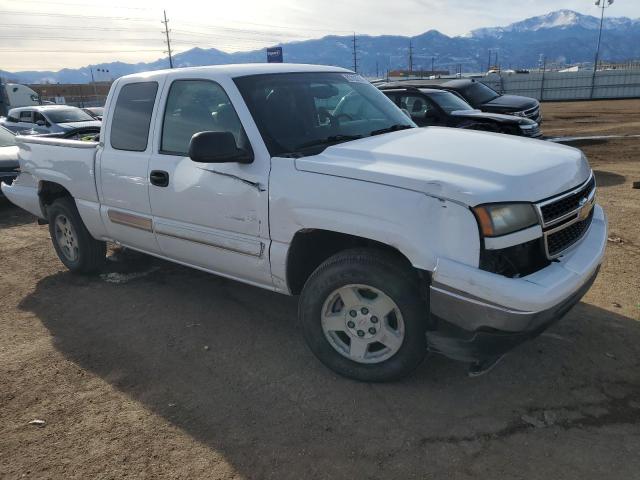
pixel 561 240
pixel 559 208
pixel 566 218
pixel 533 113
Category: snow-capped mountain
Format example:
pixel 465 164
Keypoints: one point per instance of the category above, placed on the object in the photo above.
pixel 563 36
pixel 561 19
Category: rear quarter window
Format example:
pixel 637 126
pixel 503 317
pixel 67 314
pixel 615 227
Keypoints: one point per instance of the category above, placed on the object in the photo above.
pixel 132 116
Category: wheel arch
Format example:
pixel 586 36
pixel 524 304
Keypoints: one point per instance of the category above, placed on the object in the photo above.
pixel 48 192
pixel 309 248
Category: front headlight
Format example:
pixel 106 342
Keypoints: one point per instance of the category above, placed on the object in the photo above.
pixel 503 218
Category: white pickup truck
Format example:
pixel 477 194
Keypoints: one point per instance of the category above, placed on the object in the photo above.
pixel 399 240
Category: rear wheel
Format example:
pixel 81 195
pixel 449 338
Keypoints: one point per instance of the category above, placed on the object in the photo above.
pixel 75 246
pixel 362 316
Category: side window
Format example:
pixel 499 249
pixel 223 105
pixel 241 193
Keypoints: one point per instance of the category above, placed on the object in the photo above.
pixel 38 117
pixel 415 105
pixel 26 116
pixel 132 116
pixel 197 106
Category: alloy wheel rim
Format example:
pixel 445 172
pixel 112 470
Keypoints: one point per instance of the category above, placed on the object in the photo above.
pixel 363 324
pixel 66 237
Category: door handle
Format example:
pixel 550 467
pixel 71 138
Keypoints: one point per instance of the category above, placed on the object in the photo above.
pixel 159 178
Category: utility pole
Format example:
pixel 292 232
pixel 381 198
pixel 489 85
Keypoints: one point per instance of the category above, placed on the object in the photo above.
pixel 355 53
pixel 166 32
pixel 410 57
pixel 93 81
pixel 602 4
pixel 433 69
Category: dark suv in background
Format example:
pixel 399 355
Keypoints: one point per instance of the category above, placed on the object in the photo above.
pixel 431 107
pixel 484 98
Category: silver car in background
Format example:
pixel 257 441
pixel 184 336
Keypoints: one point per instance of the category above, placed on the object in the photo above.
pixel 47 119
pixel 8 157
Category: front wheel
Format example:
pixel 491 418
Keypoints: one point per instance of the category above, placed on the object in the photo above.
pixel 362 315
pixel 75 246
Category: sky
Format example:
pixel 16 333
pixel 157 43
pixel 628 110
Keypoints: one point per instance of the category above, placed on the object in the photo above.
pixel 50 35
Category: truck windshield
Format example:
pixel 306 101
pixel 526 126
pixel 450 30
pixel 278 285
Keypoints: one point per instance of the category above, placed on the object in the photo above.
pixel 6 138
pixel 478 93
pixel 68 115
pixel 449 102
pixel 301 114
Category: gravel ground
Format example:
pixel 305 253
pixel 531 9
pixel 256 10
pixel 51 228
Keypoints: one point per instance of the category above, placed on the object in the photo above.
pixel 152 370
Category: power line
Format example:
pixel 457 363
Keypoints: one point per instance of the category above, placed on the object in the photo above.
pixel 84 5
pixel 10 50
pixel 69 15
pixel 166 31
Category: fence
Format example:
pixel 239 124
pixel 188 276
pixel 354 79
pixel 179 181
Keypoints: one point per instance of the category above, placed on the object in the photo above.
pixel 582 85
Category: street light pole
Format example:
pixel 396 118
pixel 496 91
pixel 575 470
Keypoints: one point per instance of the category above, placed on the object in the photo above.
pixel 602 4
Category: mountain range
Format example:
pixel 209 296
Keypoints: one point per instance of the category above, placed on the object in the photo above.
pixel 563 37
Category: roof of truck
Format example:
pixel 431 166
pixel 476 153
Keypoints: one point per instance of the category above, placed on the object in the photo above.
pixel 240 70
pixel 41 108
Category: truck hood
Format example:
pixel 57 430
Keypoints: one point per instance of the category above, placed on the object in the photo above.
pixel 513 103
pixel 465 166
pixel 497 117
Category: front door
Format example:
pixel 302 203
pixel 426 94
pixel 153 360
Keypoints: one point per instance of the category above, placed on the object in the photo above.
pixel 123 162
pixel 208 215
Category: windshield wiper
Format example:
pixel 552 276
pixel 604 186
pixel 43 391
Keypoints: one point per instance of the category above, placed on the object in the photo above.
pixel 329 141
pixel 392 128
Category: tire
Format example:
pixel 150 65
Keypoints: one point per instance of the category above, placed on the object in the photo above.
pixel 76 248
pixel 396 342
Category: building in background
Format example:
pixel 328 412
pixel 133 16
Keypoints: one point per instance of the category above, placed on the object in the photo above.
pixel 77 94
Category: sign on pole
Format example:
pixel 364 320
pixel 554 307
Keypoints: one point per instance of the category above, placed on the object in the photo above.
pixel 274 55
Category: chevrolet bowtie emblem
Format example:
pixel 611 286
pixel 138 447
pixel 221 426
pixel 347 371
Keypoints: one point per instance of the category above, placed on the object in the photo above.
pixel 585 209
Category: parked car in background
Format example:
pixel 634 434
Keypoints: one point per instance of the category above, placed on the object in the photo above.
pixel 47 119
pixel 484 98
pixel 81 133
pixel 8 157
pixel 95 112
pixel 399 240
pixel 430 107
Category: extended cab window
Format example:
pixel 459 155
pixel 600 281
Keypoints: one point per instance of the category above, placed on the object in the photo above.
pixel 132 116
pixel 197 106
pixel 26 117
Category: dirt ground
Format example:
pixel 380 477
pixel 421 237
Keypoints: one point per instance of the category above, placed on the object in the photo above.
pixel 151 370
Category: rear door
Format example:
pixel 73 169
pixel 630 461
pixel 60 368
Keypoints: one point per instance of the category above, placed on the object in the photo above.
pixel 123 163
pixel 209 215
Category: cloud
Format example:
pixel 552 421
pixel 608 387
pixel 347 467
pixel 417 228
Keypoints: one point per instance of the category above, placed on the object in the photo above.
pixel 57 33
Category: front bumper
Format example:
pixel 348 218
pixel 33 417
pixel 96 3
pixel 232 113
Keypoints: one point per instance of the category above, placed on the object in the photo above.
pixel 7 177
pixel 479 315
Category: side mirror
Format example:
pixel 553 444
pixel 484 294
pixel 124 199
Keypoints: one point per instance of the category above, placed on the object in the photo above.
pixel 217 147
pixel 40 123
